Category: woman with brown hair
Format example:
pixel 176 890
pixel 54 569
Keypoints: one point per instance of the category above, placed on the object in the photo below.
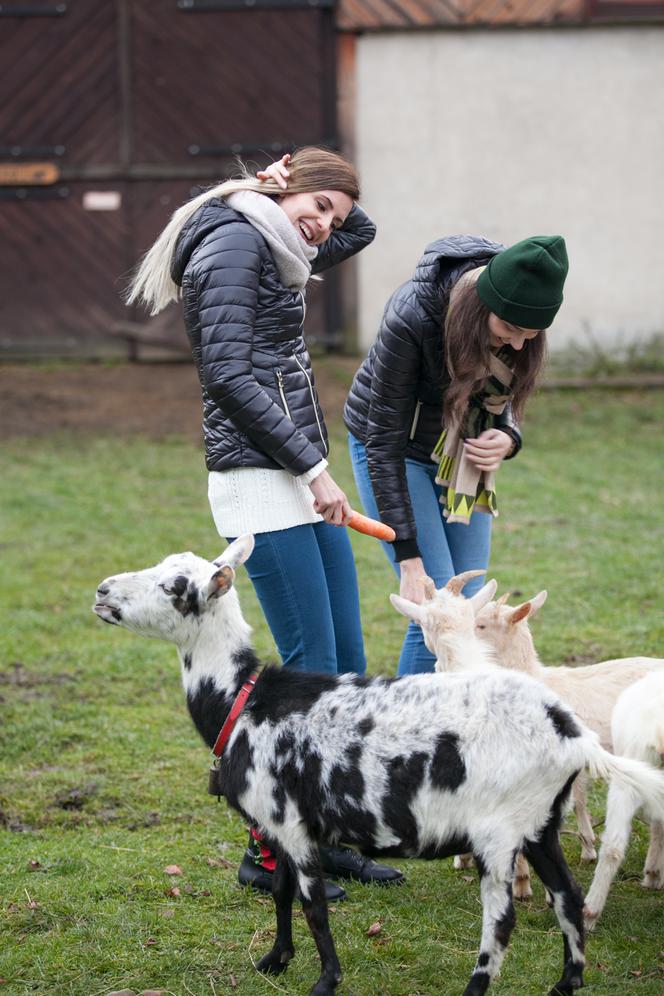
pixel 459 350
pixel 240 255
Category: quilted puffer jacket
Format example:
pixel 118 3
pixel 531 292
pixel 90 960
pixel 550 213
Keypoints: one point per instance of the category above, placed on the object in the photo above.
pixel 395 404
pixel 260 403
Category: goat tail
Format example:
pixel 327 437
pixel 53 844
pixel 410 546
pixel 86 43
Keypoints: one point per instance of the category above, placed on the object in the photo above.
pixel 638 777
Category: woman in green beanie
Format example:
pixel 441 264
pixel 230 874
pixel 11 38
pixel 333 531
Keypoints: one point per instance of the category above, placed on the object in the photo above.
pixel 433 410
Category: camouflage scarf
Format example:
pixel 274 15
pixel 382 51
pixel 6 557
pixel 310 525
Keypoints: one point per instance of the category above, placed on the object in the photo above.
pixel 465 489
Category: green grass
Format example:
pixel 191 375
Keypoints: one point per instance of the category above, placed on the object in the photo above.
pixel 103 778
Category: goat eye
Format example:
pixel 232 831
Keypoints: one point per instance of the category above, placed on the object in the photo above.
pixel 480 626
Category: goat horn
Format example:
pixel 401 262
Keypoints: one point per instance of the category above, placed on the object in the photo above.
pixel 503 598
pixel 429 587
pixel 455 584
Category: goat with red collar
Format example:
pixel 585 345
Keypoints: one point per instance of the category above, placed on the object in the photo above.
pixel 423 766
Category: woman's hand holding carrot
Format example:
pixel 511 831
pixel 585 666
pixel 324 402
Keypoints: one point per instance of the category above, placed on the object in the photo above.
pixel 330 501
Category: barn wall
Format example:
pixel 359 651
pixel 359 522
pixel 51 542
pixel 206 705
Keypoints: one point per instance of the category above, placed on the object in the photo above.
pixel 511 133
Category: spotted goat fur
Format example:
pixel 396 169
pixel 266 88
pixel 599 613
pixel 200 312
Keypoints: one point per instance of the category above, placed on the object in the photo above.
pixel 424 766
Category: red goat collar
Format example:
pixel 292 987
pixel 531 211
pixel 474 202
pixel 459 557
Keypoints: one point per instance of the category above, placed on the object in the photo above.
pixel 232 718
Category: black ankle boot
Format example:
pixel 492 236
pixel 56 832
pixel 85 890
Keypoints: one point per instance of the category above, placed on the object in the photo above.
pixel 259 878
pixel 344 862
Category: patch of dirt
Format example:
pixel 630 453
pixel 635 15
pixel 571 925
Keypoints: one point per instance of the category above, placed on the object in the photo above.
pixel 12 823
pixel 154 399
pixel 75 798
pixel 20 676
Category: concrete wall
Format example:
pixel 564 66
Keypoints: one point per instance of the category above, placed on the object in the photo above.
pixel 515 133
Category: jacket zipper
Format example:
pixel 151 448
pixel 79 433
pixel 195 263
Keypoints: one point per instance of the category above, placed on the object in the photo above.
pixel 282 393
pixel 416 418
pixel 313 402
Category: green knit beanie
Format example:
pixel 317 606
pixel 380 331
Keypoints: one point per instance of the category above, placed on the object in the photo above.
pixel 524 284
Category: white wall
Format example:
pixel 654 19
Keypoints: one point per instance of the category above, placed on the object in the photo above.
pixel 517 133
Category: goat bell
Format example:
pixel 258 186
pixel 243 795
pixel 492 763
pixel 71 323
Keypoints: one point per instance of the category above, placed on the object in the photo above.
pixel 214 782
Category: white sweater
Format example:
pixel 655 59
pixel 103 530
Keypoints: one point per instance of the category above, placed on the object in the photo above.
pixel 257 500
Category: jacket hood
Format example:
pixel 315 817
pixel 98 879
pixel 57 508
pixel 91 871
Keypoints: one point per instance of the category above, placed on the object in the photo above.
pixel 208 217
pixel 443 262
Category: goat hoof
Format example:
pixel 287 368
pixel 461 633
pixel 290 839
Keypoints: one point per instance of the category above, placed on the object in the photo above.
pixel 589 855
pixel 567 987
pixel 653 879
pixel 274 962
pixel 324 988
pixel 590 918
pixel 521 889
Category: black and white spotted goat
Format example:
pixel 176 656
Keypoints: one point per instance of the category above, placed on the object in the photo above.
pixel 424 766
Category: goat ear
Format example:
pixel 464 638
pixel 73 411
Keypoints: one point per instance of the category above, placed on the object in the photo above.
pixel 220 582
pixel 520 612
pixel 528 608
pixel 236 552
pixel 483 596
pixel 537 602
pixel 411 610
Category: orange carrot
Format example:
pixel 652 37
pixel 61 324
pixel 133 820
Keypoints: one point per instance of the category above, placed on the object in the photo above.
pixel 372 527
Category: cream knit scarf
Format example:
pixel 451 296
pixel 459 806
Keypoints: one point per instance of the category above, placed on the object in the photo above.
pixel 291 254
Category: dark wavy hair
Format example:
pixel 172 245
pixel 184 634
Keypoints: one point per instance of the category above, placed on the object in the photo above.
pixel 467 353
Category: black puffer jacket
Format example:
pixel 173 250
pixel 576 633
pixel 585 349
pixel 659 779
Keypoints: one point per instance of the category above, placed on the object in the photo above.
pixel 246 332
pixel 395 404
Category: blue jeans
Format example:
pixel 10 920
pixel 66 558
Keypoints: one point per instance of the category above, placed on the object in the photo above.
pixel 306 583
pixel 447 549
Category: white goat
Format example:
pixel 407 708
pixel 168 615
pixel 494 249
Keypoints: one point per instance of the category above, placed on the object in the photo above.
pixel 447 621
pixel 591 690
pixel 424 766
pixel 637 727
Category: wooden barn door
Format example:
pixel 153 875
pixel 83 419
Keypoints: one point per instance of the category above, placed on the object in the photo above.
pixel 116 113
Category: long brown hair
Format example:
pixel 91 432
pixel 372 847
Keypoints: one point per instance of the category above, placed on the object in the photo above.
pixel 310 168
pixel 467 353
pixel 314 168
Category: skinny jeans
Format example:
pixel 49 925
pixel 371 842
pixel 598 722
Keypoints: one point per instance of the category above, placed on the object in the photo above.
pixel 446 548
pixel 306 583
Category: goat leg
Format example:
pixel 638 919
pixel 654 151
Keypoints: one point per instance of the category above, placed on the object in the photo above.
pixel 498 921
pixel 653 870
pixel 283 891
pixel 586 832
pixel 521 887
pixel 314 907
pixel 621 804
pixel 548 860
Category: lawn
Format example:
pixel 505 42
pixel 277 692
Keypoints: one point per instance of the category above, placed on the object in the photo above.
pixel 103 777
